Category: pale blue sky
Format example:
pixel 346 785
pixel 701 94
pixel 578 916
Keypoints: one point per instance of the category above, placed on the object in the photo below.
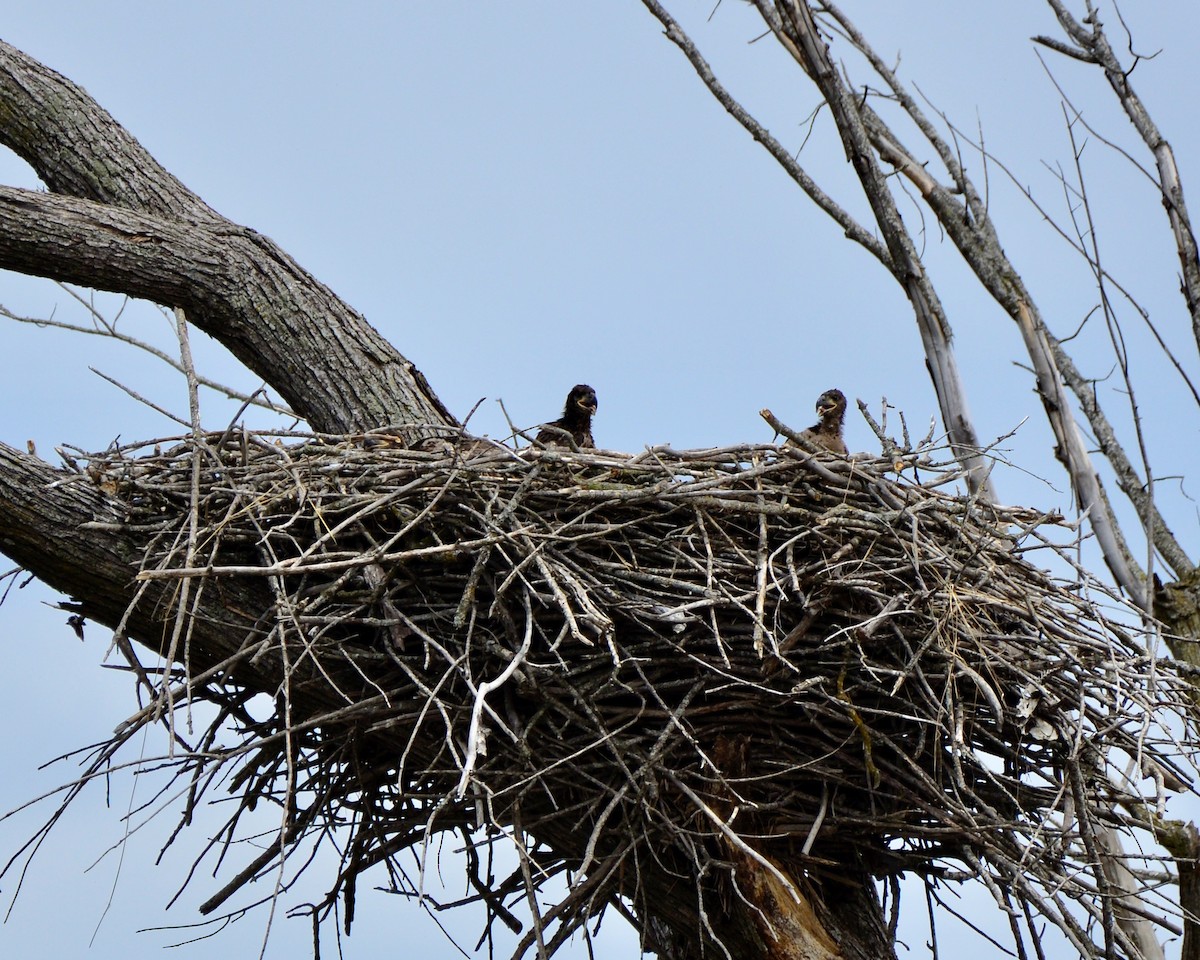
pixel 522 196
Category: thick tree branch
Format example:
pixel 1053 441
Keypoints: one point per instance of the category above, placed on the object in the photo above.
pixel 80 541
pixel 77 148
pixel 75 537
pixel 120 222
pixel 333 368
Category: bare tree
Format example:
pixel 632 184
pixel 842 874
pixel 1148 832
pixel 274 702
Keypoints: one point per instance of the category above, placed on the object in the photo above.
pixel 576 651
pixel 937 174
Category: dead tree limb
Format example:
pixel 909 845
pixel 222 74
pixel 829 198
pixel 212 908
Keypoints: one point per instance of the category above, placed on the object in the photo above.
pixel 1091 46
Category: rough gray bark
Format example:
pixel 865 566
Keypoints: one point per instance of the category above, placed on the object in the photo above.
pixel 75 538
pixel 328 363
pixel 116 220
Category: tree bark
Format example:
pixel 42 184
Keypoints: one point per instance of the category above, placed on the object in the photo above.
pixel 76 539
pixel 326 361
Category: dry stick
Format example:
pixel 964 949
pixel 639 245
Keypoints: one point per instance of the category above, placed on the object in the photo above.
pixel 760 576
pixel 183 618
pixel 891 450
pixel 804 446
pixel 853 229
pixel 530 889
pixel 575 902
pixel 1093 46
pixel 482 556
pixel 120 640
pixel 976 207
pixel 1078 462
pixel 1093 259
pixel 1026 191
pixel 375 506
pixel 109 330
pixel 285 613
pixel 139 398
pixel 287 811
pixel 1131 484
pixel 259 863
pixel 734 839
pixel 293 567
pixel 34 843
pixel 475 736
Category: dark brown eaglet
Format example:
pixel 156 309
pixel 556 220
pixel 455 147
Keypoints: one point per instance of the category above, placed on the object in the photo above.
pixel 826 433
pixel 576 421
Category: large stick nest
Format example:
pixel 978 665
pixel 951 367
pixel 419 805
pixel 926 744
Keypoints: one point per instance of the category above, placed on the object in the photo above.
pixel 691 664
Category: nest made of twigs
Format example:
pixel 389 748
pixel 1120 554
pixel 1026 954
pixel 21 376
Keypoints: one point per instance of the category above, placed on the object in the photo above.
pixel 677 657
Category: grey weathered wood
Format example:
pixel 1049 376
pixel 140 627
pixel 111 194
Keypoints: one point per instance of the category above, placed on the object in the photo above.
pixel 144 233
